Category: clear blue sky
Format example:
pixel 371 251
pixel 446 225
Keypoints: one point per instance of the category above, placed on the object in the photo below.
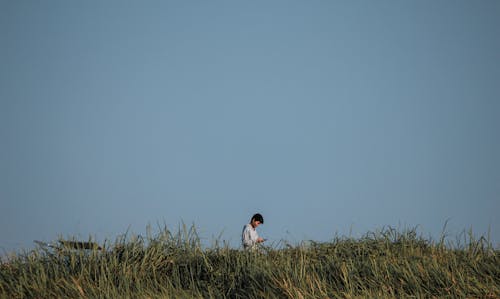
pixel 328 117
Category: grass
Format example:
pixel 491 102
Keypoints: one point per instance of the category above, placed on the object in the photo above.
pixel 384 264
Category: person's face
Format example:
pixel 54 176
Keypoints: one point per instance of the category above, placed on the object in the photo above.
pixel 255 223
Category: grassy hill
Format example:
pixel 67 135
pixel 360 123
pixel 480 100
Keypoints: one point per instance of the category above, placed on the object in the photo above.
pixel 386 264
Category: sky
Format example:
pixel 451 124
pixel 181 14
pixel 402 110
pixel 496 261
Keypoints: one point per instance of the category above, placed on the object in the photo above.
pixel 327 117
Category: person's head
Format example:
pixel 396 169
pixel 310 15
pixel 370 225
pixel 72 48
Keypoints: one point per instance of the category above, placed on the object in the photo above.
pixel 257 220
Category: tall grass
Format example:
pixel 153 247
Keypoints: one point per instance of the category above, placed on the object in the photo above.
pixel 384 264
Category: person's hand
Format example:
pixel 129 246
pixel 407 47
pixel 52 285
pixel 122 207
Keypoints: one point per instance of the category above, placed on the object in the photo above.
pixel 260 240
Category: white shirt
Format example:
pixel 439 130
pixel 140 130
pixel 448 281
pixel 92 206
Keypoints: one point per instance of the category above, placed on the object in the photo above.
pixel 249 236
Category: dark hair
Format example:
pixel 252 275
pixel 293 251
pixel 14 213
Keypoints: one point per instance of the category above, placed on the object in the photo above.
pixel 258 217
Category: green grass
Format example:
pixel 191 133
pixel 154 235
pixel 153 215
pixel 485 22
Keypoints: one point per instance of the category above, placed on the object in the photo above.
pixel 385 264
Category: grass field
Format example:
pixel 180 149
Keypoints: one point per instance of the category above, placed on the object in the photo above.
pixel 385 264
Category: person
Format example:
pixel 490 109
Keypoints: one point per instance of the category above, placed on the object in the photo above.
pixel 249 237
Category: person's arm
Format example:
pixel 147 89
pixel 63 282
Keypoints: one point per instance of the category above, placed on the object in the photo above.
pixel 247 238
pixel 255 238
